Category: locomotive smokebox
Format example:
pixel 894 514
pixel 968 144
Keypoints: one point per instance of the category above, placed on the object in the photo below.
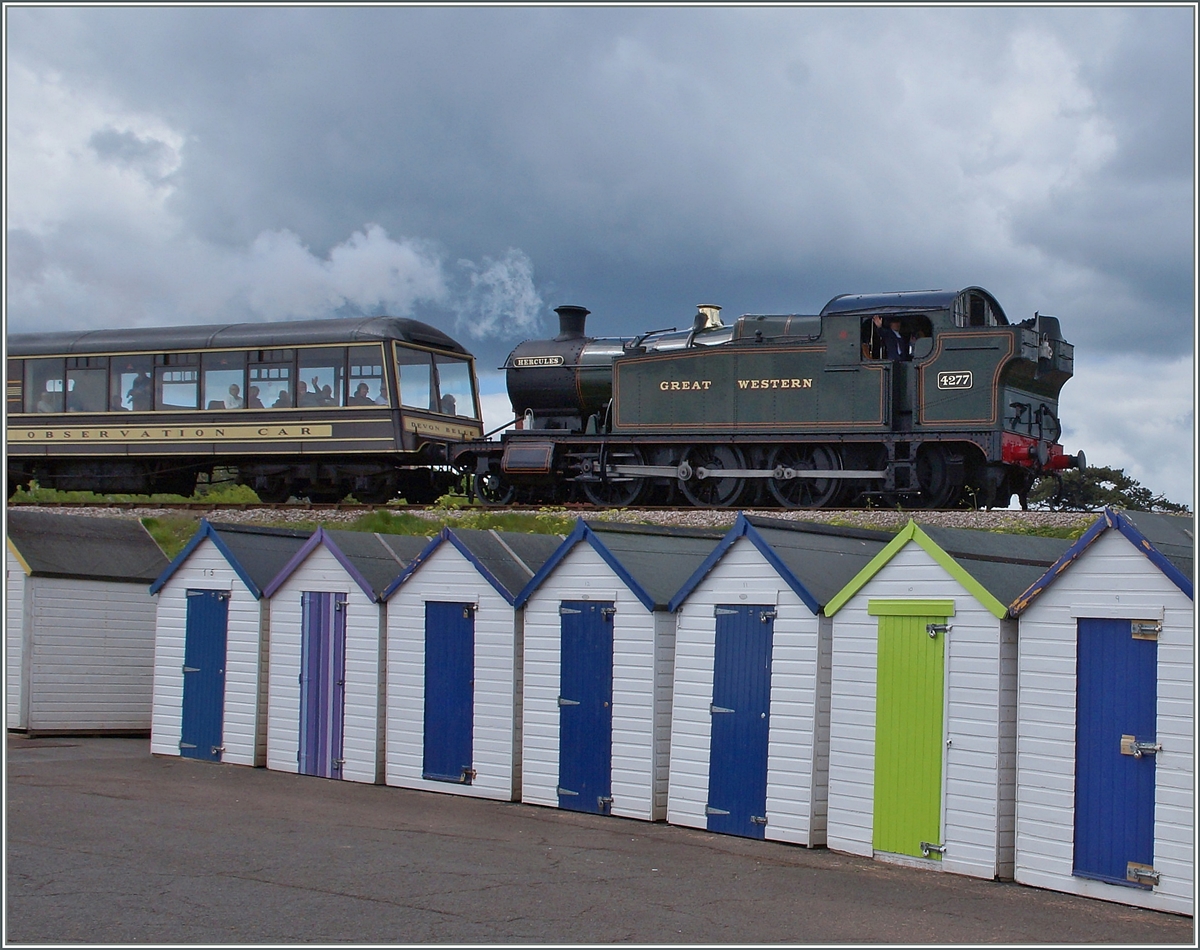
pixel 570 322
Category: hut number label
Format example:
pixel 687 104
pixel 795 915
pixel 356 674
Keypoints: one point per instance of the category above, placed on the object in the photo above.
pixel 961 380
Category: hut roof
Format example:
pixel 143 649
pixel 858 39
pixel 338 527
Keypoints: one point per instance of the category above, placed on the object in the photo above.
pixel 373 561
pixel 255 553
pixel 106 549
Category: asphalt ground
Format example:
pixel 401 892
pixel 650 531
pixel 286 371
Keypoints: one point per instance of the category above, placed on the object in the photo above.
pixel 108 844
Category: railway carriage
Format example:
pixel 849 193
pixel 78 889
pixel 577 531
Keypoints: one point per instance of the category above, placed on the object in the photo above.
pixel 319 408
pixel 789 409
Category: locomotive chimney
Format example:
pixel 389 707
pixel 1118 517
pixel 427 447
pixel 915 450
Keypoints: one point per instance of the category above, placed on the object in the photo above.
pixel 708 317
pixel 570 321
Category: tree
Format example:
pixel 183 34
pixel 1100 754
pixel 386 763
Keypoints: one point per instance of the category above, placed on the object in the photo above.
pixel 1096 487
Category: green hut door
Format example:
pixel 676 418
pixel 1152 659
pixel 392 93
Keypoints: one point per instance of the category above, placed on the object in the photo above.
pixel 909 729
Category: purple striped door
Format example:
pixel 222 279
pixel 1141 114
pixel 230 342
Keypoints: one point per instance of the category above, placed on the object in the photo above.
pixel 322 683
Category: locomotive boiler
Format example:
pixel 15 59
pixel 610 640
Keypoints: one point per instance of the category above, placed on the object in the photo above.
pixel 792 410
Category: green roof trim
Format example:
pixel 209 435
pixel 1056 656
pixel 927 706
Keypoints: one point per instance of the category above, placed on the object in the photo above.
pixel 910 608
pixel 912 532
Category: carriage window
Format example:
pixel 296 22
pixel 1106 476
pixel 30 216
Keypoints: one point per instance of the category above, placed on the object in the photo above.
pixel 269 379
pixel 131 383
pixel 321 380
pixel 224 381
pixel 414 368
pixel 366 377
pixel 44 385
pixel 457 398
pixel 176 381
pixel 87 382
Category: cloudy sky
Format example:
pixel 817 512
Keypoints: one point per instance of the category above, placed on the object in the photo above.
pixel 476 167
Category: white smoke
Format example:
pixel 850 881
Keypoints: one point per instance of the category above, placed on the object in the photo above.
pixel 501 299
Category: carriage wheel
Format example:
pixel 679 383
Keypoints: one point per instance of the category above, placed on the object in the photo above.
pixel 272 489
pixel 618 491
pixel 492 490
pixel 713 492
pixel 804 492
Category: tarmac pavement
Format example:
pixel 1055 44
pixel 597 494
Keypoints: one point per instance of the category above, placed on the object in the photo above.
pixel 108 844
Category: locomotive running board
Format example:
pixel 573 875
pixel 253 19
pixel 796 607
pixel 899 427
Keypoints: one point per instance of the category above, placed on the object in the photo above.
pixel 684 472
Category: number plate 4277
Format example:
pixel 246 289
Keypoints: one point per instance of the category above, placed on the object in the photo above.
pixel 954 380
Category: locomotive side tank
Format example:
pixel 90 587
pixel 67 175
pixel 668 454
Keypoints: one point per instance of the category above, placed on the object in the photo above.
pixel 791 409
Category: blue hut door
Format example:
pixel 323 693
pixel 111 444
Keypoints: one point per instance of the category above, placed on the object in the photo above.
pixel 322 683
pixel 585 706
pixel 741 718
pixel 203 713
pixel 449 691
pixel 1117 698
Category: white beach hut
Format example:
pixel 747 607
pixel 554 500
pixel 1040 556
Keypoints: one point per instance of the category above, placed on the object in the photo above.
pixel 750 726
pixel 328 634
pixel 454 662
pixel 79 632
pixel 922 736
pixel 1106 716
pixel 210 688
pixel 599 658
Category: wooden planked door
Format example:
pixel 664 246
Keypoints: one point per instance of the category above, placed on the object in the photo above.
pixel 322 683
pixel 203 714
pixel 449 692
pixel 585 706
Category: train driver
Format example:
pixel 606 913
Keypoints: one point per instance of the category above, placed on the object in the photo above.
pixel 896 344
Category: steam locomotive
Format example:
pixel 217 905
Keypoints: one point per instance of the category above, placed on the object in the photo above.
pixel 778 409
pixel 791 410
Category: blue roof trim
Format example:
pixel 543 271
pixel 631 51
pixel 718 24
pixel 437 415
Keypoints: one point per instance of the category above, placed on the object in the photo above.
pixel 205 530
pixel 582 532
pixel 1143 544
pixel 743 528
pixel 318 539
pixel 1109 519
pixel 416 562
pixel 447 534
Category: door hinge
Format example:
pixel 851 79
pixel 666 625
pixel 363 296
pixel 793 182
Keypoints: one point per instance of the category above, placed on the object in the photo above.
pixel 724 611
pixel 933 629
pixel 719 709
pixel 1141 873
pixel 565 791
pixel 1145 629
pixel 187 745
pixel 191 669
pixel 607 613
pixel 567 702
pixel 709 810
pixel 766 615
pixel 758 819
pixel 928 848
pixel 564 611
pixel 1130 746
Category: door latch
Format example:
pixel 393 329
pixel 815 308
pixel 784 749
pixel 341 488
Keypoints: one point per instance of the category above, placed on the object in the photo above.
pixel 217 749
pixel 758 819
pixel 933 629
pixel 928 848
pixel 1130 746
pixel 467 777
pixel 607 613
pixel 1145 629
pixel 603 802
pixel 767 615
pixel 1141 873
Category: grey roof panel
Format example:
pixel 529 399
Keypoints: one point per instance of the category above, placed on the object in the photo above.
pixel 660 559
pixel 1005 564
pixel 378 558
pixel 111 549
pixel 510 557
pixel 823 557
pixel 261 552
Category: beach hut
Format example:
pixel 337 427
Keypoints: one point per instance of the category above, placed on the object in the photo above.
pixel 328 626
pixel 599 660
pixel 1106 716
pixel 922 735
pixel 750 721
pixel 79 629
pixel 454 662
pixel 212 630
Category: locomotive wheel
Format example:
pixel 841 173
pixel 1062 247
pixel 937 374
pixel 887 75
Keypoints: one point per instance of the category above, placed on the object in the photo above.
pixel 492 490
pixel 713 492
pixel 804 492
pixel 938 488
pixel 620 492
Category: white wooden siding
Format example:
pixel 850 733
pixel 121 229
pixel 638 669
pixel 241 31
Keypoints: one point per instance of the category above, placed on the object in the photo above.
pixel 1110 579
pixel 636 773
pixel 14 635
pixel 243 733
pixel 90 655
pixel 743 576
pixel 971 767
pixel 449 577
pixel 322 572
